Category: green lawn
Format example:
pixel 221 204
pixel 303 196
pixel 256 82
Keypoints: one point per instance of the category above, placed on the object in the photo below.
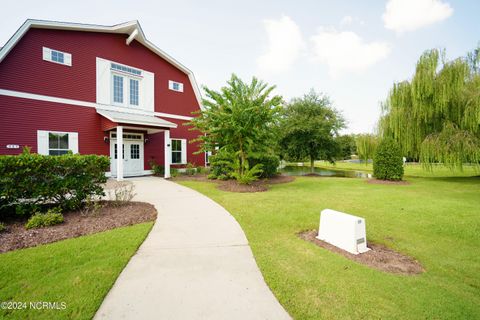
pixel 412 170
pixel 78 272
pixel 435 220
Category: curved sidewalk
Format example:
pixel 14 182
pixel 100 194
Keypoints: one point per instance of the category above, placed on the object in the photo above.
pixel 195 264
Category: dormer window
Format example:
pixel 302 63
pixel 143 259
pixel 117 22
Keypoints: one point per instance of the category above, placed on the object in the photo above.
pixel 175 86
pixel 57 56
pixel 125 85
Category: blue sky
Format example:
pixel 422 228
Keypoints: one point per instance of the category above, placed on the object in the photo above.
pixel 352 51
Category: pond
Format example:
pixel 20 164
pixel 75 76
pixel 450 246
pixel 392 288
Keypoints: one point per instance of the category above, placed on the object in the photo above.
pixel 304 170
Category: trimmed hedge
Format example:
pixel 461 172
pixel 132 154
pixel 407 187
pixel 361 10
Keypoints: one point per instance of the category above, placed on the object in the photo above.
pixel 269 162
pixel 28 181
pixel 388 161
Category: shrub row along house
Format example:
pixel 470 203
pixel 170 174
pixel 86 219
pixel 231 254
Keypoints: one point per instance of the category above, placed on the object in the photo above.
pixel 93 89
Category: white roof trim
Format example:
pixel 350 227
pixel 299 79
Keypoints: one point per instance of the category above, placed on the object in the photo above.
pixel 137 119
pixel 123 28
pixel 131 37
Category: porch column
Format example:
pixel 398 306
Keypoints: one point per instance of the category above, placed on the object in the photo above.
pixel 119 153
pixel 168 153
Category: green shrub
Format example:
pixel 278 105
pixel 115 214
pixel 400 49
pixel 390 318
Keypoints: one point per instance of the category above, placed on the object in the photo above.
pixel 157 169
pixel 173 172
pixel 388 161
pixel 39 220
pixel 269 162
pixel 28 181
pixel 222 164
pixel 202 170
pixel 249 174
pixel 190 169
pixel 3 227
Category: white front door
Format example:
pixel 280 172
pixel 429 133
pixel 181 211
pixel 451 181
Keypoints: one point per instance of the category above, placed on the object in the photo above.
pixel 132 154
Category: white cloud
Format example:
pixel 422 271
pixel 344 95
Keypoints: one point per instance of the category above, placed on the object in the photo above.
pixel 408 15
pixel 345 51
pixel 349 20
pixel 285 44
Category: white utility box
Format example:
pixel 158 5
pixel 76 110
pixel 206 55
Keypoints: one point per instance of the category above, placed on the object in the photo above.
pixel 343 230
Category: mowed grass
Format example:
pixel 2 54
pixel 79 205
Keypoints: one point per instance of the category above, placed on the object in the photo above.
pixel 78 272
pixel 411 169
pixel 434 220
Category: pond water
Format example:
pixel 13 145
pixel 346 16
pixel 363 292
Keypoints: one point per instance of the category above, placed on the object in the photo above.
pixel 304 170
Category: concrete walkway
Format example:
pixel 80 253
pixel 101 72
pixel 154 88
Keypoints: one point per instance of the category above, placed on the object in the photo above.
pixel 195 264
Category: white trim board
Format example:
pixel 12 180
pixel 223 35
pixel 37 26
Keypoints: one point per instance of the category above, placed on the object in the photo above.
pixel 34 96
pixel 131 28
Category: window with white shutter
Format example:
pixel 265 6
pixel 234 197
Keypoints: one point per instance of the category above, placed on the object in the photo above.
pixel 175 86
pixel 179 151
pixel 56 143
pixel 57 56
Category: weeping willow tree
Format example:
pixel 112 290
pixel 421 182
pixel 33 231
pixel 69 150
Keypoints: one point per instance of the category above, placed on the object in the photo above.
pixel 435 117
pixel 366 146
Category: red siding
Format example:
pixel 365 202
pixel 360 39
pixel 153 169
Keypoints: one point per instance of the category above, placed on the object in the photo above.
pixel 21 118
pixel 154 146
pixel 24 69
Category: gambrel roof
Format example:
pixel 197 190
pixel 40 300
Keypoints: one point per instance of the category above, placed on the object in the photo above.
pixel 131 28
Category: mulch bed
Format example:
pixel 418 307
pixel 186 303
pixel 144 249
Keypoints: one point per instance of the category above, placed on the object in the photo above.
pixel 76 224
pixel 377 181
pixel 379 257
pixel 234 186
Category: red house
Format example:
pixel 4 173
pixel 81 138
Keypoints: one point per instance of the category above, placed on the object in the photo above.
pixel 94 89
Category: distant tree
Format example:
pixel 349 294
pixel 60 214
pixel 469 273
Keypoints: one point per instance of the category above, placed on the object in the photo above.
pixel 366 146
pixel 435 117
pixel 308 129
pixel 239 119
pixel 347 146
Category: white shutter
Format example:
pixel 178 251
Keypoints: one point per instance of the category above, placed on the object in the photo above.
pixel 171 87
pixel 103 81
pixel 73 141
pixel 147 92
pixel 42 142
pixel 184 151
pixel 47 54
pixel 67 59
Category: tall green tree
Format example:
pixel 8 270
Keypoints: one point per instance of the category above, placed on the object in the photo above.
pixel 435 117
pixel 347 146
pixel 238 118
pixel 308 129
pixel 366 146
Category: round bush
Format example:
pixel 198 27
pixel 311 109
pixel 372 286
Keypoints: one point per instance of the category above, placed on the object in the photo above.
pixel 388 161
pixel 269 162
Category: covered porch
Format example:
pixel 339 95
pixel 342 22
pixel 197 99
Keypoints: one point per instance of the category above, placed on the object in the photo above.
pixel 127 134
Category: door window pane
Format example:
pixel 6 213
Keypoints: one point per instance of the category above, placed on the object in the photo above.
pixel 115 151
pixel 135 151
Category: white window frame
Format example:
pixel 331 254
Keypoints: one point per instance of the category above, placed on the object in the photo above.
pixel 183 151
pixel 172 84
pixel 47 56
pixel 43 145
pixel 126 89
